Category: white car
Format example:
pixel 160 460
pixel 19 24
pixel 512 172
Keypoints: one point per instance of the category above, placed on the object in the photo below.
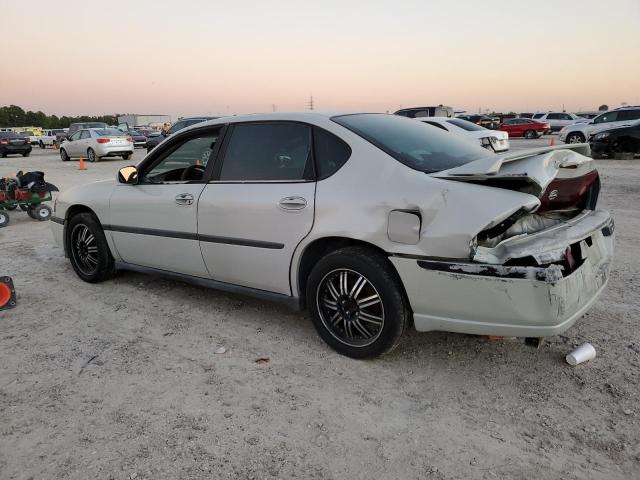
pixel 96 143
pixel 580 132
pixel 371 221
pixel 49 137
pixel 558 120
pixel 496 140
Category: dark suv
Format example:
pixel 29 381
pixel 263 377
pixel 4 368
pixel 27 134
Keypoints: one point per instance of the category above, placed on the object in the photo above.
pixel 153 142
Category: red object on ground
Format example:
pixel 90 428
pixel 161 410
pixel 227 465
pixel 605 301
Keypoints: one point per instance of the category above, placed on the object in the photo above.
pixel 7 293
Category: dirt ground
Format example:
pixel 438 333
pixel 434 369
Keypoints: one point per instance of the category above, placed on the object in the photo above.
pixel 121 380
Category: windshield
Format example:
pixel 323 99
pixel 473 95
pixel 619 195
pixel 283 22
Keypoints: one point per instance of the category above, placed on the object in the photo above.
pixel 415 144
pixel 109 132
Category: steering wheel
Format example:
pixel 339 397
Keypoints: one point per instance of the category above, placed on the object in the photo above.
pixel 192 169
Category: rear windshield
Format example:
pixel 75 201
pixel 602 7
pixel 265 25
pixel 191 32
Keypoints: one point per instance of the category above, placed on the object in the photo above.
pixel 415 144
pixel 468 126
pixel 109 132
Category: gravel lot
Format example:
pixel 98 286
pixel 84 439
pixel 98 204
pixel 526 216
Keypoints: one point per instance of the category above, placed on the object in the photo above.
pixel 121 380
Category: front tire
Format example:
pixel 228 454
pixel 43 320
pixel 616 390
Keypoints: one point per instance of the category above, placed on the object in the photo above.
pixel 26 154
pixel 357 302
pixel 530 134
pixel 42 144
pixel 63 155
pixel 88 249
pixel 575 137
pixel 126 156
pixel 4 219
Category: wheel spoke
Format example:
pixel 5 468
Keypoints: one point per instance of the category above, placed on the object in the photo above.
pixel 357 287
pixel 361 328
pixel 367 317
pixel 90 239
pixel 92 249
pixel 332 290
pixel 367 302
pixel 347 329
pixel 343 283
pixel 335 319
pixel 331 305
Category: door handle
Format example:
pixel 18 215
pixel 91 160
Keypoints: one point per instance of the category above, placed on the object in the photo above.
pixel 292 203
pixel 184 199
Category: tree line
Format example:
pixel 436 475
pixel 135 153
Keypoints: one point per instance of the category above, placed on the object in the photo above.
pixel 15 116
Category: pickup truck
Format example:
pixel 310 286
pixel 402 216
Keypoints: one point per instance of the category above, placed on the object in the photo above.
pixel 51 137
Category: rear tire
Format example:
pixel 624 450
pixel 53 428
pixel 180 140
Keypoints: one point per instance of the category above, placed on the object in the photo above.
pixel 63 155
pixel 88 249
pixel 91 156
pixel 42 144
pixel 575 137
pixel 4 219
pixel 31 212
pixel 26 154
pixel 530 134
pixel 357 302
pixel 126 156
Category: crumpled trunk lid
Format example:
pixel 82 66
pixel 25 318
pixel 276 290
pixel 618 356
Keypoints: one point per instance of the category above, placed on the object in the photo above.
pixel 561 177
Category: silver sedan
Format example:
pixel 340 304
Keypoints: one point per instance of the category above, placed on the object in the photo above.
pixel 373 222
pixel 96 143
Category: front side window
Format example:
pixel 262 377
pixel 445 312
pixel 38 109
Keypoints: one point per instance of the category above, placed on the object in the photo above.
pixel 412 143
pixel 553 116
pixel 267 151
pixel 75 136
pixel 184 162
pixel 606 117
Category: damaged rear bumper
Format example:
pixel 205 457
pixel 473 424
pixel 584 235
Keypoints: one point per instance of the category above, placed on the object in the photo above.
pixel 523 301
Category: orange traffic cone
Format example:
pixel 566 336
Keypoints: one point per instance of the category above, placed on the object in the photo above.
pixel 81 165
pixel 552 141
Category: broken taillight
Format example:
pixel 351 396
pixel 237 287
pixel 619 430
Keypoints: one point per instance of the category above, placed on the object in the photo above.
pixel 575 192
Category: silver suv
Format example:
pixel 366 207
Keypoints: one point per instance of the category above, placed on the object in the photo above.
pixel 619 117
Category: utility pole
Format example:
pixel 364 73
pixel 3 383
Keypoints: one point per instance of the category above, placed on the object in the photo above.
pixel 273 107
pixel 310 103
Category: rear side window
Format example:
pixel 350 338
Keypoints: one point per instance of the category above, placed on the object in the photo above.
pixel 330 153
pixel 538 115
pixel 628 115
pixel 85 134
pixel 267 151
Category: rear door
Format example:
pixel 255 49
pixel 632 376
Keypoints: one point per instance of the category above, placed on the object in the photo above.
pixel 259 205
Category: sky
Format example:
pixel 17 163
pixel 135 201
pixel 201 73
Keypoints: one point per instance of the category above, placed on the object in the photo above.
pixel 193 57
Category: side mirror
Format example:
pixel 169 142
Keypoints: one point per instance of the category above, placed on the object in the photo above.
pixel 128 175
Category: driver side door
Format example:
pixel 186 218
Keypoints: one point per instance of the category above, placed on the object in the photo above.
pixel 154 223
